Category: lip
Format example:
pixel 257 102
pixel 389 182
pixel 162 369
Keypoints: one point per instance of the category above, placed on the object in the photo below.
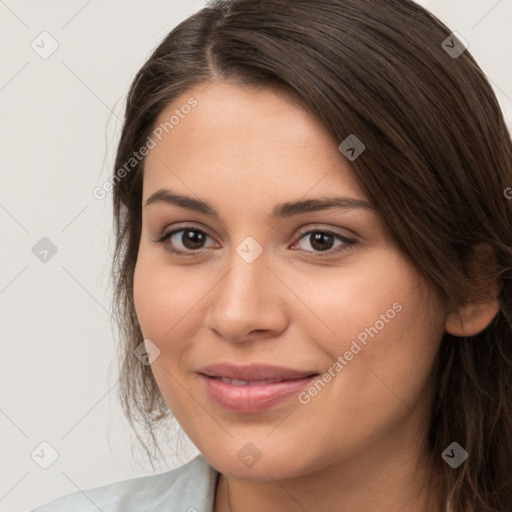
pixel 266 385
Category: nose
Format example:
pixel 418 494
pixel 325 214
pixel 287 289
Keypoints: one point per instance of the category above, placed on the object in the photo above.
pixel 248 303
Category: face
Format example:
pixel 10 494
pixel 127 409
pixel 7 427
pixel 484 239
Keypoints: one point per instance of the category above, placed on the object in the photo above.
pixel 325 325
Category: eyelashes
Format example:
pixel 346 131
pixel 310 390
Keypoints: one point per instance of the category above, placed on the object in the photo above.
pixel 193 236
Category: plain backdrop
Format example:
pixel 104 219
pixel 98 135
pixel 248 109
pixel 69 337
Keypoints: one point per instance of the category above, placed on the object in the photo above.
pixel 59 119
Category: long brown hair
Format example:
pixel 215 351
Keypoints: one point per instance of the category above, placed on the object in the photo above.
pixel 438 158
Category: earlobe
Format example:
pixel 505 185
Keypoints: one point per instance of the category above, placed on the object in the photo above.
pixel 478 312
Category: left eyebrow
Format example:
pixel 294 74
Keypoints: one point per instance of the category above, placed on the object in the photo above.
pixel 281 210
pixel 311 205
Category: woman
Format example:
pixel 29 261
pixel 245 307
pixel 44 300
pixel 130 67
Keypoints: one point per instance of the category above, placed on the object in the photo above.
pixel 314 243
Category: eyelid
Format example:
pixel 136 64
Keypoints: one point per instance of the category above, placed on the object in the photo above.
pixel 178 226
pixel 323 228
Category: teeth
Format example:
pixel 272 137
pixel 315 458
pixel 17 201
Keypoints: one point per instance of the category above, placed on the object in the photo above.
pixel 235 382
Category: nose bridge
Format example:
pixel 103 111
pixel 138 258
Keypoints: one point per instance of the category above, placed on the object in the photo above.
pixel 246 282
pixel 245 299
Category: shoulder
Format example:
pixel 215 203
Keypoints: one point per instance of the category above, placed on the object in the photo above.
pixel 189 488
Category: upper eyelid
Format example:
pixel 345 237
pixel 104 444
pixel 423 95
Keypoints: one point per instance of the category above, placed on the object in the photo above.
pixel 191 227
pixel 313 227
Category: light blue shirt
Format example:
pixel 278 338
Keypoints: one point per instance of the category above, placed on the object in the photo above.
pixel 189 488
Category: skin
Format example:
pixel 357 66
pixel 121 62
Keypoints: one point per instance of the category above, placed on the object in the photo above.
pixel 359 443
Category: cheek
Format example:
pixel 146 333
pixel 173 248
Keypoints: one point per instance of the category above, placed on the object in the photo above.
pixel 170 305
pixel 148 299
pixel 164 302
pixel 349 300
pixel 163 298
pixel 380 382
pixel 383 320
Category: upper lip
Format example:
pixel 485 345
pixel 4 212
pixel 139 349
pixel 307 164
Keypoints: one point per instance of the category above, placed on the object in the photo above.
pixel 253 372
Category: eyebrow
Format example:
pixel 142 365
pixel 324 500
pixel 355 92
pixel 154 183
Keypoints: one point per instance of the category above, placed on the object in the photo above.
pixel 281 210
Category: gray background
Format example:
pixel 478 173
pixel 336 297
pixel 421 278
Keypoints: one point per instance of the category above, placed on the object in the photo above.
pixel 60 120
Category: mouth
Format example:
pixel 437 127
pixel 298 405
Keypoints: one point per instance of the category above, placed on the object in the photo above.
pixel 253 388
pixel 236 382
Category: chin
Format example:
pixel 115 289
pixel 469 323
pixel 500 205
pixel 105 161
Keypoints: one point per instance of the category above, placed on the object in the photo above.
pixel 250 463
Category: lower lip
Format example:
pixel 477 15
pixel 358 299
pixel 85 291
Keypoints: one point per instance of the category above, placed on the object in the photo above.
pixel 252 398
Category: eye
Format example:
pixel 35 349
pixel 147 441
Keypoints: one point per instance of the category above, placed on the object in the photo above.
pixel 321 240
pixel 190 238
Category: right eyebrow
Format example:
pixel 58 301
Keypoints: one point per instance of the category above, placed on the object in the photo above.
pixel 167 196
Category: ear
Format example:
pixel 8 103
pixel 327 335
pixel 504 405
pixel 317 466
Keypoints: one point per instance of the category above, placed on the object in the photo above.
pixel 482 306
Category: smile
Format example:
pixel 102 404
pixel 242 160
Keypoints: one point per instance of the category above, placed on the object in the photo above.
pixel 251 389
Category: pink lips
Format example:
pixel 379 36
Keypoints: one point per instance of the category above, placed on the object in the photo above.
pixel 252 388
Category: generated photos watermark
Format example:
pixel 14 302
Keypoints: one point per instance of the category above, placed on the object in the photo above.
pixel 100 192
pixel 319 384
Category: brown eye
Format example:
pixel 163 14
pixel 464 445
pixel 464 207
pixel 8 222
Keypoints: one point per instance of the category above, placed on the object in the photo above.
pixel 184 240
pixel 192 239
pixel 323 241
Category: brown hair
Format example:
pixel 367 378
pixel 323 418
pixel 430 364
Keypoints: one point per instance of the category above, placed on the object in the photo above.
pixel 437 160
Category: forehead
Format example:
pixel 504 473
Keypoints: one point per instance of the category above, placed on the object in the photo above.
pixel 252 140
